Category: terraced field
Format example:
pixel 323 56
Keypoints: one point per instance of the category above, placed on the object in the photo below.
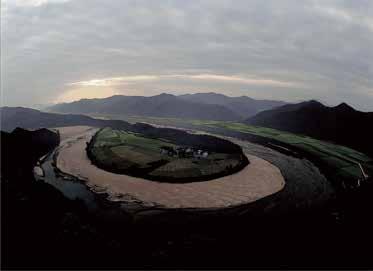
pixel 136 155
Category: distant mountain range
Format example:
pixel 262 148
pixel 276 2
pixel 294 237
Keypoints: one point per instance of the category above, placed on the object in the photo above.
pixel 341 124
pixel 243 106
pixel 207 106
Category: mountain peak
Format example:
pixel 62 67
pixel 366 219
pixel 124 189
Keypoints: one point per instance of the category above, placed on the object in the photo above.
pixel 164 94
pixel 162 97
pixel 205 94
pixel 313 102
pixel 344 107
pixel 308 104
pixel 215 94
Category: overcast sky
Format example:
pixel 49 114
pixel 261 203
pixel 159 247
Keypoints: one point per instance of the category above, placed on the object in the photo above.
pixel 60 50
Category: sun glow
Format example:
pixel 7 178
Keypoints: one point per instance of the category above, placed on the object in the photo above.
pixel 114 81
pixel 86 92
pixel 126 80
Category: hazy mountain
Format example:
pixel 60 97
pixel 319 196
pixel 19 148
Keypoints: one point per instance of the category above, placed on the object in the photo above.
pixel 243 106
pixel 341 124
pixel 13 117
pixel 163 105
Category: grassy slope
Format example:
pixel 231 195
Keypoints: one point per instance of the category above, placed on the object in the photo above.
pixel 341 159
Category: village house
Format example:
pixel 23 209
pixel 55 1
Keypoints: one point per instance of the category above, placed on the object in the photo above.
pixel 168 150
pixel 183 152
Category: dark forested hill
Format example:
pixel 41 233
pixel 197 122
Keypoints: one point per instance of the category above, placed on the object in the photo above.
pixel 12 117
pixel 243 106
pixel 21 148
pixel 341 124
pixel 163 105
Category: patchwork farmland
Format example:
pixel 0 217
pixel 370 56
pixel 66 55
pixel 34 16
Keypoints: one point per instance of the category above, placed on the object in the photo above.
pixel 134 154
pixel 340 162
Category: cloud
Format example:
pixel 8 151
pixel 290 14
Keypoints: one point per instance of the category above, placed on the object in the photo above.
pixel 125 80
pixel 31 3
pixel 114 81
pixel 85 92
pixel 238 79
pixel 347 16
pixel 286 49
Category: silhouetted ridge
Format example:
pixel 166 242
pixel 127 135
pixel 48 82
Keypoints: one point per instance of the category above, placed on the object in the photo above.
pixel 163 105
pixel 209 106
pixel 344 107
pixel 243 105
pixel 341 124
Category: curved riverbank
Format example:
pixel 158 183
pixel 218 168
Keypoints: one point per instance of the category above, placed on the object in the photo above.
pixel 140 159
pixel 258 180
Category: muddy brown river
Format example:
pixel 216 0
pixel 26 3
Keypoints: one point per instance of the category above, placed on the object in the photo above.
pixel 290 182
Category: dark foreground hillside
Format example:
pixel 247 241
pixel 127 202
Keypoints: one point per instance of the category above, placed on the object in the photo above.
pixel 341 124
pixel 42 229
pixel 21 149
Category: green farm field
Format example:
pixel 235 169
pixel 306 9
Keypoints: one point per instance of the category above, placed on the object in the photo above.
pixel 136 155
pixel 341 160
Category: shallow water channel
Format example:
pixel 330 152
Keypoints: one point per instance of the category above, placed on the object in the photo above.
pixel 71 189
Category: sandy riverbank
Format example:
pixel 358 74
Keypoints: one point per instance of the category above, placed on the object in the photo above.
pixel 259 179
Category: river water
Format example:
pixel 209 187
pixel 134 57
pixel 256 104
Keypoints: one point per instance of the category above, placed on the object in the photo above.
pixel 305 186
pixel 71 189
